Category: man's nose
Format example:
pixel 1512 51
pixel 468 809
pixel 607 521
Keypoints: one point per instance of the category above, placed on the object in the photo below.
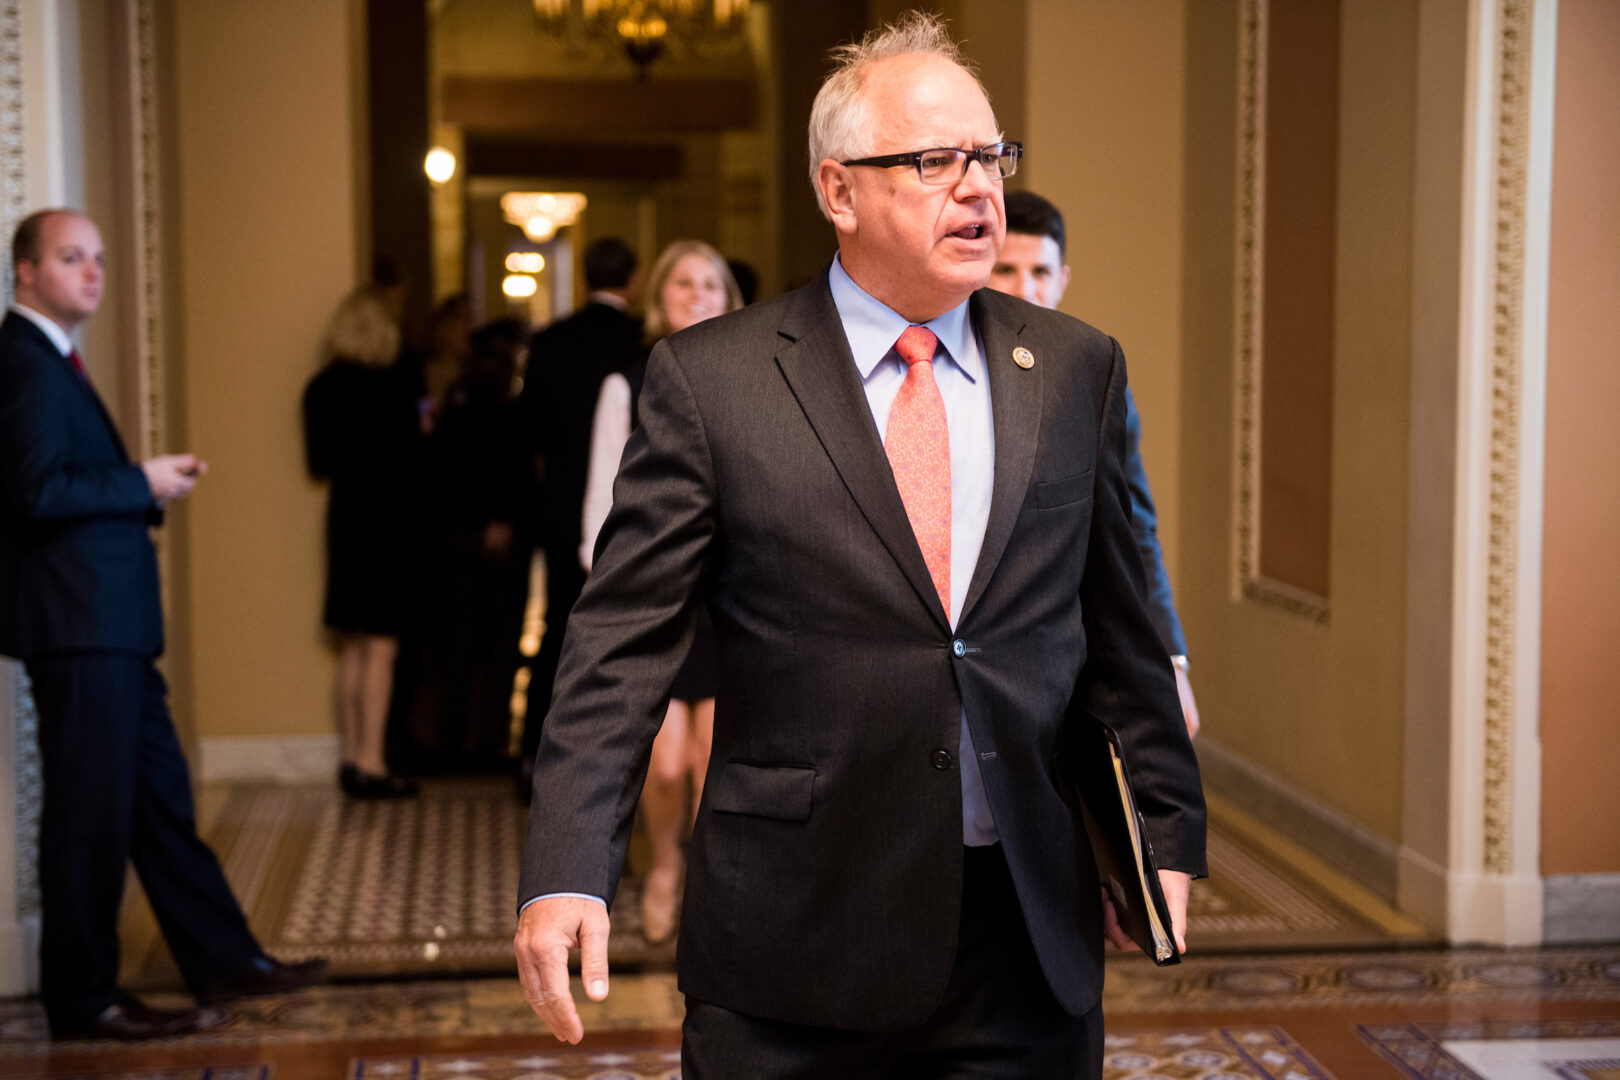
pixel 1028 289
pixel 975 181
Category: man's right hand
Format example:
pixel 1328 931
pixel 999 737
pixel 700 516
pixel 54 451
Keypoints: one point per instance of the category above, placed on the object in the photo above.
pixel 547 929
pixel 172 476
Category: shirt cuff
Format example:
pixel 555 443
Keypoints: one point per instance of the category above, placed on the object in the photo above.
pixel 550 895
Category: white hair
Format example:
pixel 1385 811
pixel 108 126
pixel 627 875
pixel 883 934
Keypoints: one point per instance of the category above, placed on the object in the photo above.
pixel 841 125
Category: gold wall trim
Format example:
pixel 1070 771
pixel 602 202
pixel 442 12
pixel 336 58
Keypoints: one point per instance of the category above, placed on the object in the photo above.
pixel 145 209
pixel 1251 194
pixel 1512 160
pixel 27 778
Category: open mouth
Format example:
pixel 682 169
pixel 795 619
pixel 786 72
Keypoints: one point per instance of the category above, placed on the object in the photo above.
pixel 972 232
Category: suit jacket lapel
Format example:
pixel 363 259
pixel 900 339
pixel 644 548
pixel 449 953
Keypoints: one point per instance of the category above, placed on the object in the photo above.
pixel 49 354
pixel 816 362
pixel 1015 405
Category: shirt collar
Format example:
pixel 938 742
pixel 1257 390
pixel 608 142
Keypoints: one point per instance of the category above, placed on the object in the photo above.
pixel 611 299
pixel 58 336
pixel 873 327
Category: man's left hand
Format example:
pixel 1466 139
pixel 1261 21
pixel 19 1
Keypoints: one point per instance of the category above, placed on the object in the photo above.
pixel 1175 885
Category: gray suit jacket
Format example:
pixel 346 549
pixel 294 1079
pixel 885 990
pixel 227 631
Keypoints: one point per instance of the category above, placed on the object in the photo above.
pixel 824 877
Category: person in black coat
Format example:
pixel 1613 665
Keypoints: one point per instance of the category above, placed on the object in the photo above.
pixel 567 362
pixel 455 689
pixel 79 604
pixel 363 432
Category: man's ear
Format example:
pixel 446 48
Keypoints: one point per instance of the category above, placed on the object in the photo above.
pixel 837 187
pixel 1063 281
pixel 22 272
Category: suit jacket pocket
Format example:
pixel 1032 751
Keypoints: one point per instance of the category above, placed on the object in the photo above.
pixel 782 792
pixel 1070 489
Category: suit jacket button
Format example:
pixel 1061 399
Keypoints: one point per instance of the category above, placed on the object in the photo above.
pixel 959 647
pixel 942 759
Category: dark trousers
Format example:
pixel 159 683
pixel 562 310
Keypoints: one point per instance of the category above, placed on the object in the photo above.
pixel 565 579
pixel 116 790
pixel 997 1021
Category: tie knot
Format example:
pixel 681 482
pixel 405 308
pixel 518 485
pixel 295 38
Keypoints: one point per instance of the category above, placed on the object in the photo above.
pixel 916 344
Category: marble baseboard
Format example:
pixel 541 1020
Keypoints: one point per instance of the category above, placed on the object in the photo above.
pixel 1357 851
pixel 281 759
pixel 1580 908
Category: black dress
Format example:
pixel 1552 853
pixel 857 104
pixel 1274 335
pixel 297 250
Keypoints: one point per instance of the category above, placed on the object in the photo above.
pixel 361 431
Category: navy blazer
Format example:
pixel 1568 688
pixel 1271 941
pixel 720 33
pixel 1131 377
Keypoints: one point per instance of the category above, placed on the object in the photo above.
pixel 77 568
pixel 1161 603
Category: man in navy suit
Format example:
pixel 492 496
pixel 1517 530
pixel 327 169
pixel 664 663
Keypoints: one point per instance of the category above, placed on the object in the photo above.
pixel 79 604
pixel 1031 266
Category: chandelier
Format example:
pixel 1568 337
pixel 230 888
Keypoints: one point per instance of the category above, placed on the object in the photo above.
pixel 541 213
pixel 646 29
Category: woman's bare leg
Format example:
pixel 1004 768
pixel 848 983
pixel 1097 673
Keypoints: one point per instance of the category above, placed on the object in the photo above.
pixel 663 800
pixel 702 742
pixel 377 684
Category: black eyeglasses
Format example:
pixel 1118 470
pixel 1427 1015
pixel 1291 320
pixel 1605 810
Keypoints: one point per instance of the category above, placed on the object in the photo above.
pixel 948 164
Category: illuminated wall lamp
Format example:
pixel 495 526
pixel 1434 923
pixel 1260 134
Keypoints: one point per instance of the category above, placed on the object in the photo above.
pixel 440 165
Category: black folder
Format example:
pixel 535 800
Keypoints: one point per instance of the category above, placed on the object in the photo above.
pixel 1118 841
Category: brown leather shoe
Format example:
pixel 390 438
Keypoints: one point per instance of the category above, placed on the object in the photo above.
pixel 132 1021
pixel 264 976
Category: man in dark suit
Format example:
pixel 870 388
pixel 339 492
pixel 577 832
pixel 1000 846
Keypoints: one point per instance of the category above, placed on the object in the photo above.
pixel 902 497
pixel 79 605
pixel 567 362
pixel 1031 266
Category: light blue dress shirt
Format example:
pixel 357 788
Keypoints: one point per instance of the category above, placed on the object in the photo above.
pixel 872 328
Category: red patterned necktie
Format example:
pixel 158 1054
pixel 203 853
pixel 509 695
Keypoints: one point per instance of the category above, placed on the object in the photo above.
pixel 78 363
pixel 919 447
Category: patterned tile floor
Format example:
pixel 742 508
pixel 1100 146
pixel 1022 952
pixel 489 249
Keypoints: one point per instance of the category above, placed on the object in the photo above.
pixel 1287 985
pixel 426 887
pixel 1439 1015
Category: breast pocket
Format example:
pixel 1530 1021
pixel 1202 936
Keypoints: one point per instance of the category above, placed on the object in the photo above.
pixel 1070 489
pixel 782 792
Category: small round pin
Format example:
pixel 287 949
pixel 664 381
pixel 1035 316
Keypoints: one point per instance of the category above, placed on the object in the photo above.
pixel 1023 358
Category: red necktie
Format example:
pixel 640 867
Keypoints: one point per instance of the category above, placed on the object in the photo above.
pixel 919 447
pixel 78 363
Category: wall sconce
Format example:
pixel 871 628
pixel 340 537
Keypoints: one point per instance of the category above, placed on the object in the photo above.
pixel 440 165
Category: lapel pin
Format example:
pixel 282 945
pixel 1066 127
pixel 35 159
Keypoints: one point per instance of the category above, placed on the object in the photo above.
pixel 1023 358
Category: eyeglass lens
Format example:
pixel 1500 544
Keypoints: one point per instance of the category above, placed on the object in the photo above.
pixel 946 166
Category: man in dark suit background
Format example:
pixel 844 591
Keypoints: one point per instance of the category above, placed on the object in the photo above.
pixel 79 605
pixel 1032 266
pixel 567 362
pixel 903 498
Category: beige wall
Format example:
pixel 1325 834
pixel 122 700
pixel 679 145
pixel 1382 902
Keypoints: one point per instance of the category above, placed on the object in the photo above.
pixel 1320 705
pixel 1580 597
pixel 1104 138
pixel 268 244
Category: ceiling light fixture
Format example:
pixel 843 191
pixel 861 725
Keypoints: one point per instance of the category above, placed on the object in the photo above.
pixel 646 29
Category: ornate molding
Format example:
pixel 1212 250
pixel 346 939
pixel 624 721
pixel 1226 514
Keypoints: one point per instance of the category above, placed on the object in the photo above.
pixel 1250 277
pixel 1512 156
pixel 146 212
pixel 27 777
pixel 13 161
